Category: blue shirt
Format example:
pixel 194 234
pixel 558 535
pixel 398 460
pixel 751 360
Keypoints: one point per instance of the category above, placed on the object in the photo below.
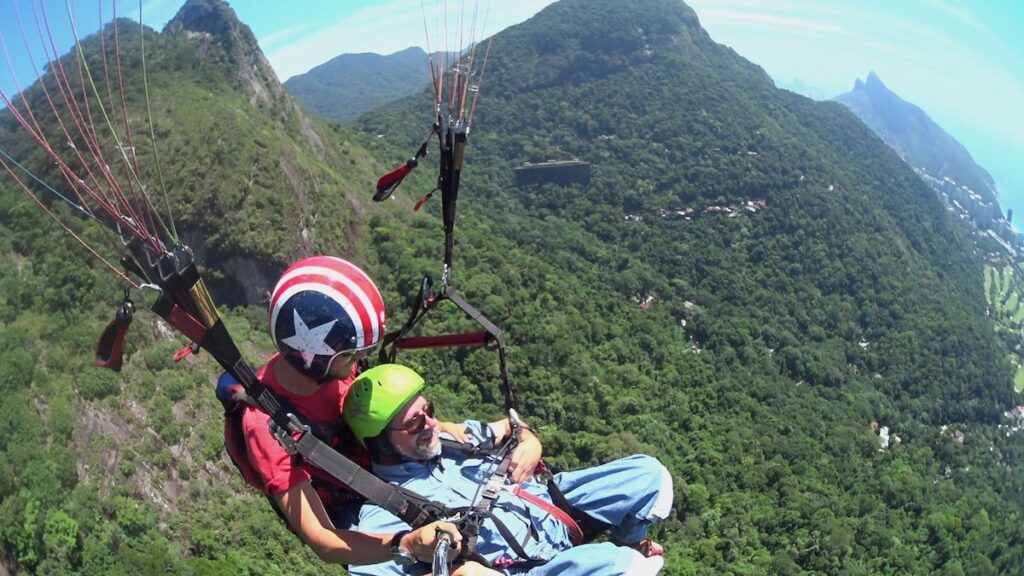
pixel 456 480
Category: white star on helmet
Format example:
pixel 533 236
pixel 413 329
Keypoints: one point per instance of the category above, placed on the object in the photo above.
pixel 310 342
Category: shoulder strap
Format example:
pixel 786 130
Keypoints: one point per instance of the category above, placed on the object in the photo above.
pixel 286 421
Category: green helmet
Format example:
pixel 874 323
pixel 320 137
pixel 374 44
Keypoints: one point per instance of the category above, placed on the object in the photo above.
pixel 376 396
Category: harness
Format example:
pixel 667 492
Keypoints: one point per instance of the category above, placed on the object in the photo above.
pixel 185 303
pixel 235 401
pixel 475 515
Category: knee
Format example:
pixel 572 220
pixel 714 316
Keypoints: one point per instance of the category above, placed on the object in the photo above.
pixel 661 484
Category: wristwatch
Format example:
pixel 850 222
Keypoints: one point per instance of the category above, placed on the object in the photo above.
pixel 400 556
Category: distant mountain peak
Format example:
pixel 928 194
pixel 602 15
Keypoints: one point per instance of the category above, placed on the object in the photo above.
pixel 214 18
pixel 871 84
pixel 216 27
pixel 921 142
pixel 350 84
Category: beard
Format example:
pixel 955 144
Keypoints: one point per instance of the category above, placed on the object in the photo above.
pixel 426 451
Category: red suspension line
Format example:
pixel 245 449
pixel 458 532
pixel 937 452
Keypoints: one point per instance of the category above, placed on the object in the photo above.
pixel 129 206
pixel 114 198
pixel 480 84
pixel 85 127
pixel 144 217
pixel 37 134
pixel 67 94
pixel 434 78
pixel 117 272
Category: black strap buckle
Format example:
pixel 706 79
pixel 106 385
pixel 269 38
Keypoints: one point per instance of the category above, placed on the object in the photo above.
pixel 285 438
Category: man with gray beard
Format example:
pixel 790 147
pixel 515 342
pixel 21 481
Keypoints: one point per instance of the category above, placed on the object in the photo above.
pixel 531 527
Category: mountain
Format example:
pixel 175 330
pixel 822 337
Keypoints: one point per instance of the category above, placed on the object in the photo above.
pixel 350 84
pixel 924 145
pixel 799 283
pixel 749 285
pixel 123 473
pixel 240 148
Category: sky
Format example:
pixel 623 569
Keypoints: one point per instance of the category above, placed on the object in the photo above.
pixel 961 62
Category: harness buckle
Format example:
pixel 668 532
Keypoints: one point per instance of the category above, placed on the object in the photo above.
pixel 492 488
pixel 285 438
pixel 516 424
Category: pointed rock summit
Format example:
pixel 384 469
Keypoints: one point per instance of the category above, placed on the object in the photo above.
pixel 921 142
pixel 222 36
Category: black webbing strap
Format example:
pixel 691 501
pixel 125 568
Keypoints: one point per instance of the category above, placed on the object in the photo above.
pixel 588 525
pixel 412 508
pixel 453 149
pixel 495 333
pixel 186 303
pixel 493 486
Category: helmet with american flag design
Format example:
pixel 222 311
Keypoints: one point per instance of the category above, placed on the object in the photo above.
pixel 323 307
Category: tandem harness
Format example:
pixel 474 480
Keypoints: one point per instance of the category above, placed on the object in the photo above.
pixel 580 526
pixel 344 477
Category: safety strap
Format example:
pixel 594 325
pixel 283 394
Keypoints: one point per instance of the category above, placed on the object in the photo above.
pixel 587 525
pixel 412 508
pixel 493 486
pixel 186 304
pixel 575 533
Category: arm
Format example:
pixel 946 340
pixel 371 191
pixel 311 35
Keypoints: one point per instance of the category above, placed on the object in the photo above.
pixel 526 455
pixel 456 430
pixel 308 518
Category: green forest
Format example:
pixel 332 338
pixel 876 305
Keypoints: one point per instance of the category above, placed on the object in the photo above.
pixel 749 286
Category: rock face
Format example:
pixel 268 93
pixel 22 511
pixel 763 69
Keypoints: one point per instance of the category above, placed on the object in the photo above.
pixel 216 24
pixel 223 37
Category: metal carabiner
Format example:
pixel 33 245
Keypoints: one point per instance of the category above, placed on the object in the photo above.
pixel 442 561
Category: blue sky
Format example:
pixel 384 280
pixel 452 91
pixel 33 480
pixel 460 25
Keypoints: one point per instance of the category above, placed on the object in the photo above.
pixel 961 62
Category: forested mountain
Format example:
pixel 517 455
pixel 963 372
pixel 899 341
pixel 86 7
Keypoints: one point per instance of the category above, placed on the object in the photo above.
pixel 748 286
pixel 350 84
pixel 916 137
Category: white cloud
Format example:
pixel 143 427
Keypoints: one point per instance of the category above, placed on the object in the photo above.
pixel 775 22
pixel 958 11
pixel 268 41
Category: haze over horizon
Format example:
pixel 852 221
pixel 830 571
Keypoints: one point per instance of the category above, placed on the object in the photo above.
pixel 962 63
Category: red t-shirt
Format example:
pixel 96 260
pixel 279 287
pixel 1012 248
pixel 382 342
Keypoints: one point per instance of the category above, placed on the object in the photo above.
pixel 279 470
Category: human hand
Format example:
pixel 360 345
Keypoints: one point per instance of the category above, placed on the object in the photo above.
pixel 525 457
pixel 422 541
pixel 456 430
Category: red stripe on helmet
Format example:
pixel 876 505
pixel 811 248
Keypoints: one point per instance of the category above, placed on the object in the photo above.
pixel 362 293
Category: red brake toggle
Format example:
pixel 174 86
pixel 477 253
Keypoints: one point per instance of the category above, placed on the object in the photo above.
pixel 110 347
pixel 387 183
pixel 192 348
pixel 421 202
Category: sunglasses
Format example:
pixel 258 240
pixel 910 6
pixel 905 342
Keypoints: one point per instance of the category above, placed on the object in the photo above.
pixel 419 422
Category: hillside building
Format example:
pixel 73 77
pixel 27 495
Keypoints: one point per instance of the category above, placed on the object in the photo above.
pixel 562 173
